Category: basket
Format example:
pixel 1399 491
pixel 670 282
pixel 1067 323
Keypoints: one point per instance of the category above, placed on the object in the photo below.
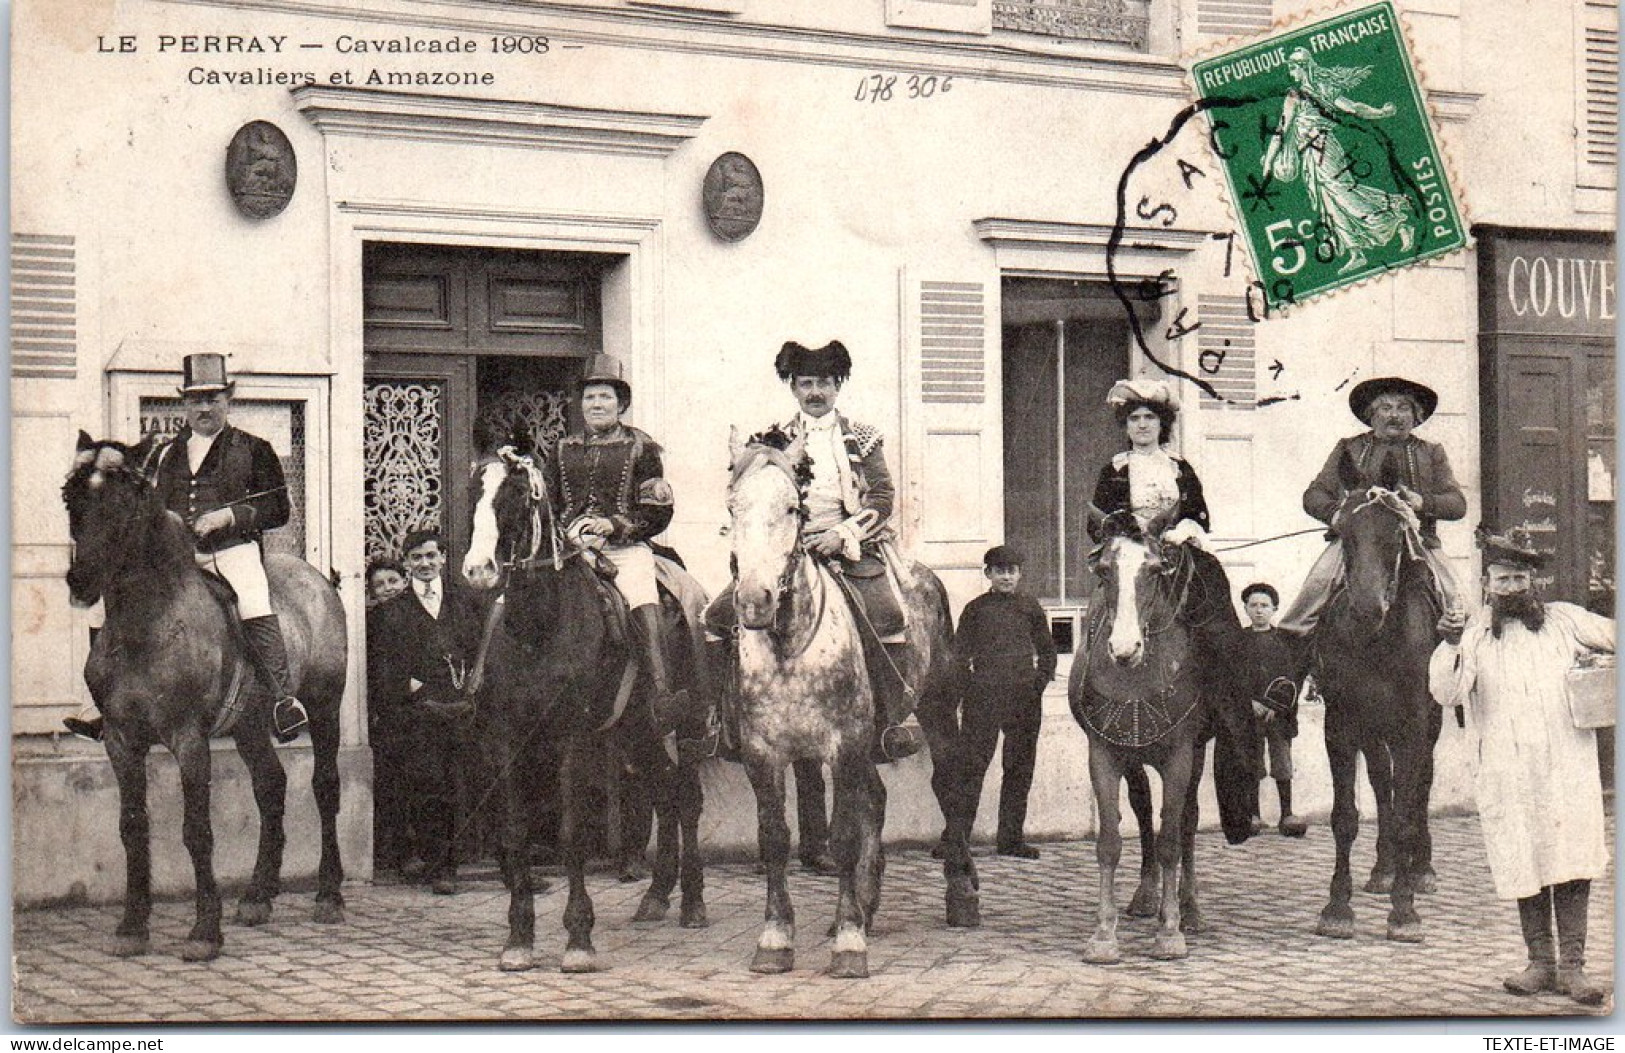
pixel 1591 689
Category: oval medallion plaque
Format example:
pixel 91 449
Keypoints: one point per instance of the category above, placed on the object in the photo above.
pixel 261 169
pixel 733 196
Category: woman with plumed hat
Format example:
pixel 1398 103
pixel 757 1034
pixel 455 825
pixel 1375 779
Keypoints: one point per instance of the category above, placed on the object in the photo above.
pixel 1146 479
pixel 1391 407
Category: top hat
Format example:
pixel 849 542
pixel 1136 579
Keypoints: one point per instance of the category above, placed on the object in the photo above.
pixel 1515 548
pixel 205 374
pixel 831 360
pixel 1152 392
pixel 1002 556
pixel 1368 391
pixel 607 369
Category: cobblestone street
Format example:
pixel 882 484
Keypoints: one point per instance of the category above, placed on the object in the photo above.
pixel 406 955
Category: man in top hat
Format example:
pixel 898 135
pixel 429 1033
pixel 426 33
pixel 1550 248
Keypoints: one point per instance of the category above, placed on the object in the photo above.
pixel 228 487
pixel 1539 795
pixel 613 499
pixel 1392 407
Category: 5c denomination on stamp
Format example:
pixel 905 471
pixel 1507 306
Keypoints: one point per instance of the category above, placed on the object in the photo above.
pixel 1334 171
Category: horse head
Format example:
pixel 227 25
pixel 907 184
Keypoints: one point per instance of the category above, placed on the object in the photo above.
pixel 1381 534
pixel 1131 568
pixel 769 474
pixel 513 515
pixel 112 509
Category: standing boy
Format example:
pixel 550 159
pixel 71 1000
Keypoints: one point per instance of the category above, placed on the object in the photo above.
pixel 1272 682
pixel 1004 656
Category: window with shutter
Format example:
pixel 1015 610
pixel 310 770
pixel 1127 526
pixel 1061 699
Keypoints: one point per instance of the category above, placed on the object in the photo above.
pixel 951 342
pixel 1597 94
pixel 1233 18
pixel 44 341
pixel 1226 357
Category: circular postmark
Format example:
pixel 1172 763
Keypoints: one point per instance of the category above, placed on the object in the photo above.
pixel 733 196
pixel 261 170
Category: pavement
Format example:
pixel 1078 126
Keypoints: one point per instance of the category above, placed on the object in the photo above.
pixel 406 955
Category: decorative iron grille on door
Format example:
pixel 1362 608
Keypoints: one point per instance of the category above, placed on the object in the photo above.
pixel 402 436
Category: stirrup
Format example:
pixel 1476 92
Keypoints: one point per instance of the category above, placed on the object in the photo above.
pixel 289 718
pixel 91 728
pixel 899 741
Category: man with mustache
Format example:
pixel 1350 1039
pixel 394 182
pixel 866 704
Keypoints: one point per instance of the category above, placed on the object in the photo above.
pixel 1537 784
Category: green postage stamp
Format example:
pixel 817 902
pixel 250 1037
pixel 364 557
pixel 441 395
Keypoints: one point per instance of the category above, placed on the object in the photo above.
pixel 1334 172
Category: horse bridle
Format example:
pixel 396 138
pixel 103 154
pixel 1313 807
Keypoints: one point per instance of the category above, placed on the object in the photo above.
pixel 1411 531
pixel 540 498
pixel 794 560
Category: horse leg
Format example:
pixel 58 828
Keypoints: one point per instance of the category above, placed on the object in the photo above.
pixel 1423 878
pixel 519 954
pixel 1379 766
pixel 325 787
pixel 1410 801
pixel 1104 775
pixel 1169 942
pixel 660 772
pixel 690 805
pixel 776 947
pixel 1190 910
pixel 270 784
pixel 1144 903
pixel 130 767
pixel 204 941
pixel 1337 917
pixel 579 955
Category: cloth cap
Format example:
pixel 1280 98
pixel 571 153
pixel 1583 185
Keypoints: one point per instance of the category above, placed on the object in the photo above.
pixel 1368 391
pixel 1003 556
pixel 205 374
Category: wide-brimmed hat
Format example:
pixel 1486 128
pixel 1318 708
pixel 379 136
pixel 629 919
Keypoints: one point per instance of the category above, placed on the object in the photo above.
pixel 1152 392
pixel 607 369
pixel 831 360
pixel 1368 391
pixel 1515 548
pixel 205 374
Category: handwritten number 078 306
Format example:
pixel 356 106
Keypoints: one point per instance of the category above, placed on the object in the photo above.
pixel 879 87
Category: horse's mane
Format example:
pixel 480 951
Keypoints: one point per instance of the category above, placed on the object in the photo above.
pixel 161 537
pixel 771 445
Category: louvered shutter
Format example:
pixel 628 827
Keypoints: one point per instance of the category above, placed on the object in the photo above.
pixel 44 341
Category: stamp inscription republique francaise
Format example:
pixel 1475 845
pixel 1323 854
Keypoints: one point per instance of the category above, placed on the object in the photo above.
pixel 1334 171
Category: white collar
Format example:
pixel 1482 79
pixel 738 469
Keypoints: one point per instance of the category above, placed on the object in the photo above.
pixel 828 422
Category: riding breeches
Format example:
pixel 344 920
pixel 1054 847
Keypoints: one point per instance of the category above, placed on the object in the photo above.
pixel 634 573
pixel 1327 573
pixel 241 566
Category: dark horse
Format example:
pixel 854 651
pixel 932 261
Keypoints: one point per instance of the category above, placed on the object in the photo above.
pixel 557 669
pixel 805 693
pixel 163 667
pixel 1144 698
pixel 1372 647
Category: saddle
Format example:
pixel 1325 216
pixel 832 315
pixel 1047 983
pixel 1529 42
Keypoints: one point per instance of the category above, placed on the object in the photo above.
pixel 1130 717
pixel 875 595
pixel 235 702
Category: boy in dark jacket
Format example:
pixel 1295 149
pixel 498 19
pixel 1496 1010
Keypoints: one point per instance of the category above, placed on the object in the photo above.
pixel 1003 657
pixel 1273 673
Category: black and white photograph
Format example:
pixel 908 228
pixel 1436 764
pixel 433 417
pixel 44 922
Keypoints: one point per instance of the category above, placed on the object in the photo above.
pixel 531 512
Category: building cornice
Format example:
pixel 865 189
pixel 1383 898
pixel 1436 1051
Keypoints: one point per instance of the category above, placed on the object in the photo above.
pixel 1453 107
pixel 1036 233
pixel 1035 62
pixel 384 114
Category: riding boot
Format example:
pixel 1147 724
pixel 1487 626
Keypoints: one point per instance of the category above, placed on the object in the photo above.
pixel 894 740
pixel 88 725
pixel 1535 917
pixel 1291 825
pixel 1572 900
pixel 666 705
pixel 270 660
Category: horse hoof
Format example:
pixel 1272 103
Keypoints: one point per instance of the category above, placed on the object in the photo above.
pixel 200 950
pixel 964 912
pixel 1101 952
pixel 326 912
pixel 653 908
pixel 1426 883
pixel 694 917
pixel 129 946
pixel 1145 903
pixel 253 912
pixel 1169 948
pixel 577 960
pixel 1405 931
pixel 1190 919
pixel 517 960
pixel 849 965
pixel 1335 926
pixel 773 960
pixel 1380 884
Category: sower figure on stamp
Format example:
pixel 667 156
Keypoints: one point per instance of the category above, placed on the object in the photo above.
pixel 1537 785
pixel 614 498
pixel 1003 657
pixel 1392 407
pixel 849 506
pixel 228 487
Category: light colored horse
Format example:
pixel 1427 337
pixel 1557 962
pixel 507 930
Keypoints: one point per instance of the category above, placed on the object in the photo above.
pixel 805 693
